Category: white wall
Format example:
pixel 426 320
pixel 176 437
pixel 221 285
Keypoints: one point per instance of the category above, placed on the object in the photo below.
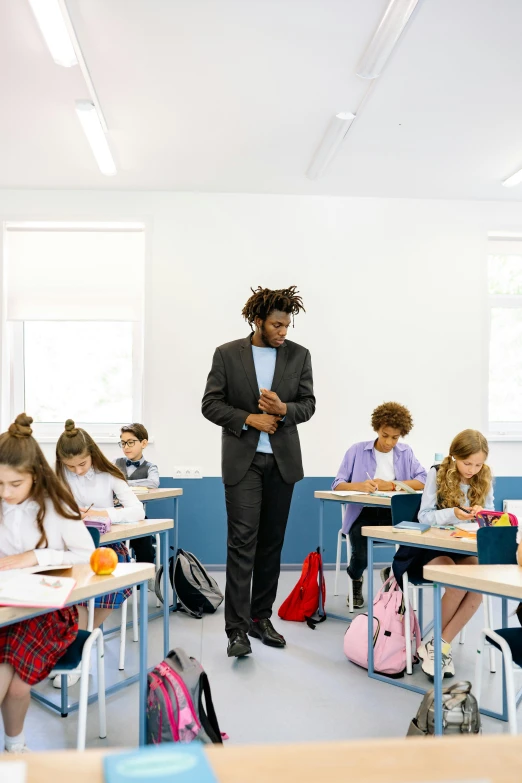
pixel 395 292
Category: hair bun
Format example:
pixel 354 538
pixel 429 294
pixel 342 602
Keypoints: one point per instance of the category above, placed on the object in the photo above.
pixel 21 427
pixel 70 428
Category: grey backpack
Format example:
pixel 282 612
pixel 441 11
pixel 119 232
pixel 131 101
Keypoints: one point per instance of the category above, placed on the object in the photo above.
pixel 460 712
pixel 179 702
pixel 198 593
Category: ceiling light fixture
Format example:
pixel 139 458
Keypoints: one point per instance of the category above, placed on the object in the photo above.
pixel 50 20
pixel 90 121
pixel 332 140
pixel 390 29
pixel 514 179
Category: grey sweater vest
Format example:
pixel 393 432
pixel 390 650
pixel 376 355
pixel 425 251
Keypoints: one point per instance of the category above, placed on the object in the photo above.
pixel 140 473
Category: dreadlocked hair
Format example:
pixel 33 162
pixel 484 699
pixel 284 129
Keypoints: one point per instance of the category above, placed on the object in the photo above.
pixel 20 451
pixel 449 493
pixel 264 301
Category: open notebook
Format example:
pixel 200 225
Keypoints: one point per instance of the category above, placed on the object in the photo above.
pixel 22 589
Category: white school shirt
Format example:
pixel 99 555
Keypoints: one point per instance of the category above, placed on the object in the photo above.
pixel 385 468
pixel 99 489
pixel 68 540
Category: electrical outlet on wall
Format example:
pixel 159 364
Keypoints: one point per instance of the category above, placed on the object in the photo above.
pixel 187 472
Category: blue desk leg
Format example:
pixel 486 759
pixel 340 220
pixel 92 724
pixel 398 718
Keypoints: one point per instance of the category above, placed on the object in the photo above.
pixel 143 664
pixel 505 621
pixel 321 521
pixel 437 630
pixel 166 599
pixel 176 545
pixel 370 607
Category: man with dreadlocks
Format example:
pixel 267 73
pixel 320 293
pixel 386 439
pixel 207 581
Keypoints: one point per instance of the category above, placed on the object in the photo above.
pixel 258 390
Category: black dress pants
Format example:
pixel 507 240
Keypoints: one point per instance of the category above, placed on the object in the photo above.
pixel 257 511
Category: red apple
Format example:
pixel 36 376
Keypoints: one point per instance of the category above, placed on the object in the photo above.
pixel 104 560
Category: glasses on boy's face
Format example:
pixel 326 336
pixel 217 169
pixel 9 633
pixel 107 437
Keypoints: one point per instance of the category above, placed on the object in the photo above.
pixel 129 443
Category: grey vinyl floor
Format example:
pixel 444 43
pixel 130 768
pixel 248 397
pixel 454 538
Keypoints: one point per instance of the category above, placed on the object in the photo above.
pixel 303 693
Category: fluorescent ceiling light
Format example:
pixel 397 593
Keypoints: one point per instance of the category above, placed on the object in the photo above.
pixel 54 30
pixel 96 137
pixel 514 179
pixel 332 140
pixel 390 29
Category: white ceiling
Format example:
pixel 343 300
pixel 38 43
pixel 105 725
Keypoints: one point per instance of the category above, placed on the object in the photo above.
pixel 234 95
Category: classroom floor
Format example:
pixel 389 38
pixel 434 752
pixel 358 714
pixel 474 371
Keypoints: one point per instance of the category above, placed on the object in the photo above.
pixel 306 692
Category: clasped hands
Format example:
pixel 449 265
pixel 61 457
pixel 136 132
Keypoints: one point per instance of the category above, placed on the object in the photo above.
pixel 273 411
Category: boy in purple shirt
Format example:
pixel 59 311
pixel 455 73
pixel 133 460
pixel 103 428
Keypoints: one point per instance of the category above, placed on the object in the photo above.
pixel 372 466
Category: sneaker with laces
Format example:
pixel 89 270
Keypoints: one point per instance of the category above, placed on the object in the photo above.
pixel 426 653
pixel 358 599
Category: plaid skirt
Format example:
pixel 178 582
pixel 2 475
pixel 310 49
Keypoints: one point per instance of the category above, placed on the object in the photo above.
pixel 34 647
pixel 114 600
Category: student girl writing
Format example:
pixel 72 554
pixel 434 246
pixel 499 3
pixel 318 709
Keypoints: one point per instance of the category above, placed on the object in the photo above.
pixel 94 481
pixel 40 524
pixel 456 490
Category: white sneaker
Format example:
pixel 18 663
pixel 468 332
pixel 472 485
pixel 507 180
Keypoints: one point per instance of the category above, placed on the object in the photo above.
pixel 426 653
pixel 72 679
pixel 18 749
pixel 151 584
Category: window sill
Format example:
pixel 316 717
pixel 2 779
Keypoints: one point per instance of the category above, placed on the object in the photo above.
pixel 97 438
pixel 497 437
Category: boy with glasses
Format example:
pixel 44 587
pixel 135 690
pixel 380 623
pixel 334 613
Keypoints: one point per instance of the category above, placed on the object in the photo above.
pixel 139 473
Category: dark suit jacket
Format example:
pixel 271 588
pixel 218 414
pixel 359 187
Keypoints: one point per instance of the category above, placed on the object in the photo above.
pixel 232 394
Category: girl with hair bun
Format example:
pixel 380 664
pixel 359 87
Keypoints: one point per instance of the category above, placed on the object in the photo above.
pixel 456 490
pixel 95 481
pixel 40 524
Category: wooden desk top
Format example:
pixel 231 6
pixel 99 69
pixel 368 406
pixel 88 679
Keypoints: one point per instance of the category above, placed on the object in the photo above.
pixel 504 580
pixel 365 500
pixel 492 759
pixel 159 494
pixel 88 585
pixel 433 537
pixel 145 527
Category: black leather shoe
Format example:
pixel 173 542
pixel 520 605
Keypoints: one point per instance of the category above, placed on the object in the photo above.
pixel 264 630
pixel 238 645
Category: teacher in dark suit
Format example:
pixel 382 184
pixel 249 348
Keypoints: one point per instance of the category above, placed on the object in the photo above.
pixel 258 390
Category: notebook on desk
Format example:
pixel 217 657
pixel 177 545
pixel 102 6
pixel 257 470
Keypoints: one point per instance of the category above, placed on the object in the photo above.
pixel 49 592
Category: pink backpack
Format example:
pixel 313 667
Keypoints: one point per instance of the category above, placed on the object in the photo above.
pixel 389 642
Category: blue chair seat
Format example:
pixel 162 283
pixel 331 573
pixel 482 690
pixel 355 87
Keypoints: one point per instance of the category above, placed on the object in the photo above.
pixel 513 637
pixel 72 657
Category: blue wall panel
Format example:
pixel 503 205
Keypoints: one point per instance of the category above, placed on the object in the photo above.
pixel 203 528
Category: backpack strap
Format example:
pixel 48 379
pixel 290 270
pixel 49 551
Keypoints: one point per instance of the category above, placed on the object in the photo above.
pixel 206 712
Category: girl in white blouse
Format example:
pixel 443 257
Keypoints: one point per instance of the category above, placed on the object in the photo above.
pixel 96 481
pixel 40 524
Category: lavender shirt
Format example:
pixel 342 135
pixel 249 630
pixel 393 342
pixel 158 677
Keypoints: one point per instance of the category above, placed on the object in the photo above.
pixel 360 459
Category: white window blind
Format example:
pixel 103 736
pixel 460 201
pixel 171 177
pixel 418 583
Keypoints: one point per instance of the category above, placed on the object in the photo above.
pixel 72 273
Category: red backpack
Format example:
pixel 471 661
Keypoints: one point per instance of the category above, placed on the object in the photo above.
pixel 303 601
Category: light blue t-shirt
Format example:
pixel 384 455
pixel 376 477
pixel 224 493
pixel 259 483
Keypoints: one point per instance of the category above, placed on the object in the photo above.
pixel 264 362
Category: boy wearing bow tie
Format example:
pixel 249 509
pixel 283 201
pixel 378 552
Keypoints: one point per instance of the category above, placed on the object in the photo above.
pixel 134 439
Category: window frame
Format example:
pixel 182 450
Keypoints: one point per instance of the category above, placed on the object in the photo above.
pixel 500 244
pixel 48 432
